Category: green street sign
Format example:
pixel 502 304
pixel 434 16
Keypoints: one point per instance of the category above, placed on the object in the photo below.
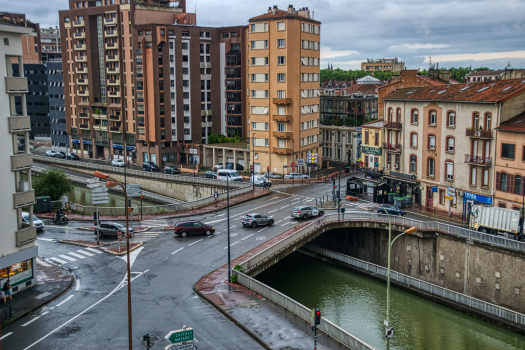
pixel 180 335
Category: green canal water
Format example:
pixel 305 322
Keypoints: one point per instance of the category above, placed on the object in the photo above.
pixel 358 305
pixel 82 195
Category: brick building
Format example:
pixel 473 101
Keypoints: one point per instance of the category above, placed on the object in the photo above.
pixel 383 65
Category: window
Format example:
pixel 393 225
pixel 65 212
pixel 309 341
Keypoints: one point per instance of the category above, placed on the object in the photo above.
pixel 450 144
pixel 414 116
pixel 475 120
pixel 502 205
pixel 413 163
pixel 485 178
pixel 280 43
pixel 281 94
pixel 366 137
pixel 281 25
pixel 432 118
pixel 451 119
pixel 488 121
pixel 413 139
pixel 280 127
pixel 473 175
pixel 280 60
pixel 6 41
pixel 449 166
pixel 431 142
pixel 517 184
pixel 441 196
pixel 503 182
pixel 507 151
pixel 376 138
pixel 430 167
pixel 280 77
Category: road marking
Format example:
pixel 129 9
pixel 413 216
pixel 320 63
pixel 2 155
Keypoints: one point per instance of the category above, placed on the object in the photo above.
pixel 247 237
pixel 84 252
pixel 288 223
pixel 44 313
pixel 283 207
pixel 69 297
pixel 47 239
pixel 260 238
pixel 272 211
pixel 60 261
pixel 211 222
pixel 77 255
pixel 194 242
pixel 221 214
pixel 77 285
pixel 263 229
pixel 195 340
pixel 42 262
pixel 94 250
pixel 177 250
pixel 232 244
pixel 6 335
pixel 33 320
pixel 67 258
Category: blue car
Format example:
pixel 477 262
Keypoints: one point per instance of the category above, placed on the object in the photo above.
pixel 391 209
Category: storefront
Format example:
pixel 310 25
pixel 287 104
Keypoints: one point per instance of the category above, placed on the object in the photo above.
pixel 88 148
pixel 19 268
pixel 367 189
pixel 403 185
pixel 371 156
pixel 470 199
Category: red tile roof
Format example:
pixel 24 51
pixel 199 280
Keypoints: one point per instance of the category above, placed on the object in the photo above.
pixel 490 91
pixel 485 72
pixel 360 88
pixel 515 124
pixel 281 14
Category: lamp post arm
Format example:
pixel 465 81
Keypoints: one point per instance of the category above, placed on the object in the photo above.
pixel 391 244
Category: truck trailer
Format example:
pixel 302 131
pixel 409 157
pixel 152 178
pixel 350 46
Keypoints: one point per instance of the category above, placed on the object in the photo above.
pixel 496 221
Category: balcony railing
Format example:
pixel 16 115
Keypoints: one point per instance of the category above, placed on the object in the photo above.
pixel 114 70
pixel 80 58
pixel 16 84
pixel 112 33
pixel 22 199
pixel 111 45
pixel 114 93
pixel 21 161
pixel 100 116
pixel 283 134
pixel 19 124
pixel 82 70
pixel 110 21
pixel 112 58
pixel 83 115
pixel 282 118
pixel 80 35
pixel 78 23
pixel 115 117
pixel 482 134
pixel 82 82
pixel 84 126
pixel 391 147
pixel 282 150
pixel 393 125
pixel 282 101
pixel 115 129
pixel 478 160
pixel 83 92
pixel 80 46
pixel 113 81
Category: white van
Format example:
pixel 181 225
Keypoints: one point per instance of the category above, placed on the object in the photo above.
pixel 259 180
pixel 222 174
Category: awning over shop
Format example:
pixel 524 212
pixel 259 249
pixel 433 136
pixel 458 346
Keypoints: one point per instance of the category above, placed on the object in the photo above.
pixel 400 180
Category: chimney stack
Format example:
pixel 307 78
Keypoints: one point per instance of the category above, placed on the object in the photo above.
pixel 445 76
pixel 270 9
pixel 274 9
pixel 291 10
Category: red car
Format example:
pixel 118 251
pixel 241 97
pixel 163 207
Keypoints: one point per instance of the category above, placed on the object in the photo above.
pixel 192 227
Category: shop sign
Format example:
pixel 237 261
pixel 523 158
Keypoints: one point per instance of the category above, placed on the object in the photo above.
pixel 87 142
pixel 75 141
pixel 377 151
pixel 434 189
pixel 477 197
pixel 117 146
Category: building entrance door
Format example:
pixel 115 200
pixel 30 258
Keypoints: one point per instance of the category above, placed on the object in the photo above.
pixel 430 196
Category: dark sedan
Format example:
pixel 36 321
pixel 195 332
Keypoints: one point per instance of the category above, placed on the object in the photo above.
pixel 171 170
pixel 72 156
pixel 210 174
pixel 391 209
pixel 60 155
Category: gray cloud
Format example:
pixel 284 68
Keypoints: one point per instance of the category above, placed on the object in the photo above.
pixel 406 28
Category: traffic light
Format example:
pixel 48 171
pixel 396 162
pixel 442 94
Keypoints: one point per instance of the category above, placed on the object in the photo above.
pixel 251 167
pixel 389 332
pixel 130 209
pixel 95 214
pixel 317 317
pixel 141 197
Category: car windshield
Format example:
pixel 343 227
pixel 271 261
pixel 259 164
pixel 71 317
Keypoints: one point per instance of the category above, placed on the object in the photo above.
pixel 234 173
pixel 118 225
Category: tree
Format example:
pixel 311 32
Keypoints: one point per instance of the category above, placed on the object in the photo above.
pixel 53 183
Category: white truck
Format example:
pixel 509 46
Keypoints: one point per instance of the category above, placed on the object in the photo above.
pixel 496 221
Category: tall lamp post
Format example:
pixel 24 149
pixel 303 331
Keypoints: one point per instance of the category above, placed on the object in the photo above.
pixel 113 183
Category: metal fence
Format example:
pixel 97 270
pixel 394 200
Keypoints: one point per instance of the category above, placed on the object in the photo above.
pixel 463 299
pixel 303 312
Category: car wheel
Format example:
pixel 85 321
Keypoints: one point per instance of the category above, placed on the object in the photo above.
pixel 101 234
pixel 183 234
pixel 254 224
pixel 321 213
pixel 400 214
pixel 484 230
pixel 208 232
pixel 270 223
pixel 305 217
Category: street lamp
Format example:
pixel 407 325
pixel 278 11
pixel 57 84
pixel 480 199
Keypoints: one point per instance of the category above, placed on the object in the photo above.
pixel 113 183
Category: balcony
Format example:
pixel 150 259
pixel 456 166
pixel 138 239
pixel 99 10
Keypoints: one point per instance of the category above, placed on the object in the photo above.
pixel 21 161
pixel 111 46
pixel 83 93
pixel 205 76
pixel 100 127
pixel 83 115
pixel 112 58
pixel 25 235
pixel 100 116
pixel 391 147
pixel 80 23
pixel 110 21
pixel 114 94
pixel 80 58
pixel 111 33
pixel 116 129
pixel 282 150
pixel 15 84
pixel 82 81
pixel 19 124
pixel 206 124
pixel 282 101
pixel 477 160
pixel 82 70
pixel 84 126
pixel 23 199
pixel 282 118
pixel 479 134
pixel 114 70
pixel 80 35
pixel 115 117
pixel 187 137
pixel 80 46
pixel 393 125
pixel 115 82
pixel 283 134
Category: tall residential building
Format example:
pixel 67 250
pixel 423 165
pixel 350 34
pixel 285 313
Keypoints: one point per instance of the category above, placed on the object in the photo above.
pixel 17 249
pixel 57 109
pixel 283 87
pixel 383 65
pixel 31 48
pixel 50 44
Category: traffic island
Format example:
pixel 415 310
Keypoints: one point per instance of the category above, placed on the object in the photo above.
pixel 91 244
pixel 135 229
pixel 116 250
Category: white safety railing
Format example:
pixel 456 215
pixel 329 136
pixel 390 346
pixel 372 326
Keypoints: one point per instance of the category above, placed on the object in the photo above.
pixel 329 328
pixel 463 299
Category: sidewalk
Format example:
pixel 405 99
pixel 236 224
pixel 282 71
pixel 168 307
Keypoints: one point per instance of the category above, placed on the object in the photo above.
pixel 259 192
pixel 53 281
pixel 268 323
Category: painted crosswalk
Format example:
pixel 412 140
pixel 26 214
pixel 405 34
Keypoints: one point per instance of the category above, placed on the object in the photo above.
pixel 143 237
pixel 154 223
pixel 70 257
pixel 362 205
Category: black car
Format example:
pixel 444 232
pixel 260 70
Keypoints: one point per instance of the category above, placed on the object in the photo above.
pixel 171 170
pixel 210 174
pixel 60 155
pixel 238 167
pixel 72 156
pixel 150 166
pixel 391 209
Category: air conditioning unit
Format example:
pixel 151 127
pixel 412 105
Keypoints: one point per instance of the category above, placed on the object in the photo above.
pixel 396 166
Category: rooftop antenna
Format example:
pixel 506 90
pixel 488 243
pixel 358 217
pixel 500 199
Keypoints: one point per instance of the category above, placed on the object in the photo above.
pixel 430 58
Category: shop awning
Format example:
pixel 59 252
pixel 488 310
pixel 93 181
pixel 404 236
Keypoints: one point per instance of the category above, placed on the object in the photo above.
pixel 400 180
pixel 359 178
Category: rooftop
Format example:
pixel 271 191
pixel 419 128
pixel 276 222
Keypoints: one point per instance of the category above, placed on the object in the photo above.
pixel 275 13
pixel 486 72
pixel 516 124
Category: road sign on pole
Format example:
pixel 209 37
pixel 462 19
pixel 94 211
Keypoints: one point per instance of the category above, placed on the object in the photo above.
pixel 180 335
pixel 189 346
pixel 133 190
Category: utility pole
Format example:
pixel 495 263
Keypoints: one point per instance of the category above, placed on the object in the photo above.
pixel 253 165
pixel 228 221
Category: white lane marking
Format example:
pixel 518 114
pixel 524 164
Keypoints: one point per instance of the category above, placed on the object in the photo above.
pixel 247 237
pixel 33 320
pixel 77 255
pixel 211 222
pixel 232 227
pixel 232 244
pixel 44 313
pixel 42 262
pixel 93 250
pixel 272 199
pixel 67 258
pixel 272 211
pixel 69 297
pixel 283 207
pixel 77 285
pixel 132 256
pixel 84 252
pixel 260 238
pixel 288 223
pixel 177 250
pixel 195 340
pixel 195 242
pixel 60 261
pixel 263 229
pixel 47 239
pixel 221 214
pixel 8 334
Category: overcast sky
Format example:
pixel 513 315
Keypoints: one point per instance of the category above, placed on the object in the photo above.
pixel 454 33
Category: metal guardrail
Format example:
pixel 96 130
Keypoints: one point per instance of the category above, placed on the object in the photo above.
pixel 329 328
pixel 420 285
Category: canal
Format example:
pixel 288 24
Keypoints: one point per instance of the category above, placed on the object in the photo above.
pixel 358 305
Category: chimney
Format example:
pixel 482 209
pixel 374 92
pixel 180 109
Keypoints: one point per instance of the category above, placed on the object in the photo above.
pixel 433 73
pixel 270 9
pixel 274 9
pixel 304 12
pixel 445 76
pixel 291 10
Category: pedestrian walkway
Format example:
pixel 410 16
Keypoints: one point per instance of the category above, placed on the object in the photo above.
pixel 155 222
pixel 74 255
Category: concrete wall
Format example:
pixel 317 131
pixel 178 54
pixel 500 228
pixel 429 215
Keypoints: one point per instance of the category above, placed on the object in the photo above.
pixel 481 271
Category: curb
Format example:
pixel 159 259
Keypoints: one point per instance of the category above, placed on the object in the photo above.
pixel 124 252
pixel 85 245
pixel 64 291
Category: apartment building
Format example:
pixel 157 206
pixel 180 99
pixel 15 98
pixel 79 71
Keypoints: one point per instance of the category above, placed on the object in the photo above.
pixel 17 248
pixel 32 52
pixel 488 75
pixel 283 86
pixel 50 44
pixel 448 138
pixel 57 109
pixel 383 65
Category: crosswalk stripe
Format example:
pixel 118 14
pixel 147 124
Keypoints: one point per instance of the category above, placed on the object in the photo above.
pixel 84 252
pixel 77 255
pixel 67 258
pixel 94 250
pixel 60 261
pixel 42 262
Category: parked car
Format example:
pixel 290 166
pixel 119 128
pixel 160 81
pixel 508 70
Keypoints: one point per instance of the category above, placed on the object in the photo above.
pixel 256 219
pixel 233 175
pixel 305 212
pixel 110 228
pixel 72 156
pixel 150 166
pixel 60 155
pixel 118 162
pixel 210 174
pixel 51 153
pixel 238 167
pixel 392 210
pixel 171 170
pixel 39 225
pixel 274 176
pixel 218 166
pixel 295 176
pixel 259 180
pixel 192 227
